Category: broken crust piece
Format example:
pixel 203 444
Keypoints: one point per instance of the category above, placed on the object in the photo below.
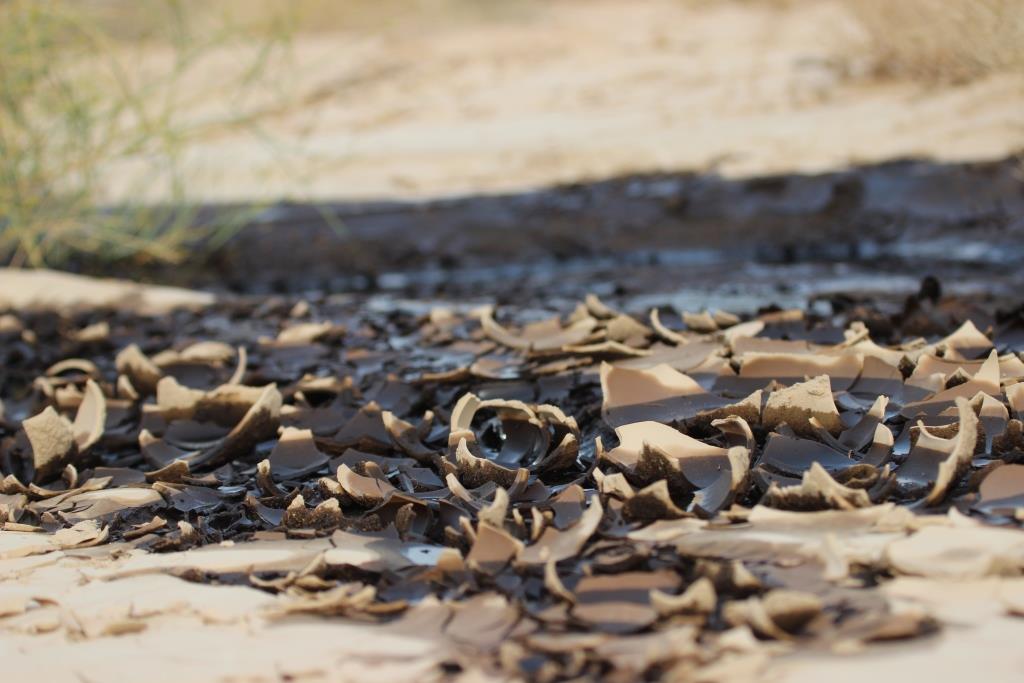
pixel 52 441
pixel 817 491
pixel 797 404
pixel 663 394
pixel 555 546
pixel 938 463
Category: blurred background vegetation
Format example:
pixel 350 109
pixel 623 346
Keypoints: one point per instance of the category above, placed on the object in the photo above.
pixel 91 85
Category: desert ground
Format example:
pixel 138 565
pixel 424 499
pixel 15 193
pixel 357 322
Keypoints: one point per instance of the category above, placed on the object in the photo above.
pixel 577 340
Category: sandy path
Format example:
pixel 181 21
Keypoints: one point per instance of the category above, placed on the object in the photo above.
pixel 587 89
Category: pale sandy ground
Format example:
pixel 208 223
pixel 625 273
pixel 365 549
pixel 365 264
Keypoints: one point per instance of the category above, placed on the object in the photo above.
pixel 586 89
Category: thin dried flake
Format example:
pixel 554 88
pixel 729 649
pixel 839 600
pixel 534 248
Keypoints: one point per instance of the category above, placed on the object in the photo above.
pixel 143 372
pixel 406 437
pixel 606 349
pixel 260 422
pixel 173 473
pixel 493 549
pixel 304 333
pixel 664 332
pixel 936 464
pixel 85 534
pixel 105 504
pixel 1002 491
pixel 366 491
pixel 623 328
pixel 817 491
pixel 663 394
pixel 295 455
pixel 992 417
pixel 555 546
pixel 159 453
pixel 621 603
pixel 540 336
pixel 91 417
pixel 861 434
pixel 793 456
pixel 652 503
pixel 74 366
pixel 966 343
pixel 881 447
pixel 797 404
pixel 365 430
pixel 482 622
pixel 699 597
pixel 726 487
pixel 758 370
pixel 1015 397
pixel 51 439
pixel 702 322
pixel 986 380
pixel 780 614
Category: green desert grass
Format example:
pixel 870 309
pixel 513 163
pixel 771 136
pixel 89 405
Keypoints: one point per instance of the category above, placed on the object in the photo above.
pixel 942 40
pixel 78 95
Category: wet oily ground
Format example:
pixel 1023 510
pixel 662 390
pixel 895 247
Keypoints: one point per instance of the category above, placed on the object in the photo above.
pixel 325 489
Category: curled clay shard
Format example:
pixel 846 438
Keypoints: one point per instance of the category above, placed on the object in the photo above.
pixel 80 366
pixel 474 471
pixel 259 423
pixel 663 394
pixel 52 441
pixel 797 404
pixel 1002 491
pixel 664 332
pixel 137 366
pixel 861 434
pixel 555 546
pixel 540 336
pixel 492 549
pixel 621 603
pixel 729 483
pixel 935 464
pixel 91 417
pixel 817 491
pixel 295 455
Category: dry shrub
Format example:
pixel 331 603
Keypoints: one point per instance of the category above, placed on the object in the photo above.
pixel 943 40
pixel 79 94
